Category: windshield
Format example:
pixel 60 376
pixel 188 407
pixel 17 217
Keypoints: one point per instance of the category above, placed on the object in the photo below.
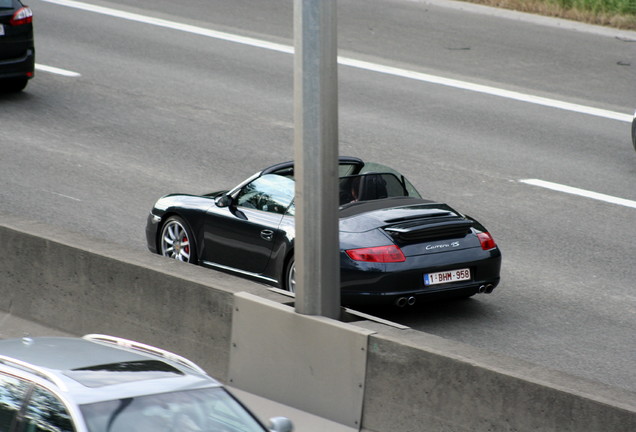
pixel 204 410
pixel 271 193
pixel 274 191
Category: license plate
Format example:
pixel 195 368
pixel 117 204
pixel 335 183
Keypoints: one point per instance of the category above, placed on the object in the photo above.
pixel 447 276
pixel 1 30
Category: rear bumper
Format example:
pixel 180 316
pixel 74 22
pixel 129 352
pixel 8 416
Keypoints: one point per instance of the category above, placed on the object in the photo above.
pixel 368 283
pixel 411 296
pixel 22 66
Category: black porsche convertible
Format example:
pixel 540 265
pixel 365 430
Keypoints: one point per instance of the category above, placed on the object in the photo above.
pixel 395 246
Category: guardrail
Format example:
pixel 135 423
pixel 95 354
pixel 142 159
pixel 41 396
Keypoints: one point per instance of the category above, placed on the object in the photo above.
pixel 361 373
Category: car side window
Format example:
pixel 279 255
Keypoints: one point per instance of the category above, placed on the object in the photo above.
pixel 12 391
pixel 271 193
pixel 45 412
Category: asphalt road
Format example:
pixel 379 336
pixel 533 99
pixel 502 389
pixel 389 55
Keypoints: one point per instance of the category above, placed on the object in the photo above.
pixel 158 109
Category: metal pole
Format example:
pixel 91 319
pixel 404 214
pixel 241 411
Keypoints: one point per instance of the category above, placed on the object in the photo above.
pixel 316 158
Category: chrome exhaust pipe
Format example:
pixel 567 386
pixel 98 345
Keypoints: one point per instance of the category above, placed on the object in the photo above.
pixel 401 302
pixel 411 301
pixel 482 289
pixel 489 288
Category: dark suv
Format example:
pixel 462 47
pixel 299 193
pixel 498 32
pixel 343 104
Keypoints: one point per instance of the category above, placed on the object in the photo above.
pixel 17 51
pixel 102 383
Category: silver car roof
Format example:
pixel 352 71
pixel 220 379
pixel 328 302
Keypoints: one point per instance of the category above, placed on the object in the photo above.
pixel 86 369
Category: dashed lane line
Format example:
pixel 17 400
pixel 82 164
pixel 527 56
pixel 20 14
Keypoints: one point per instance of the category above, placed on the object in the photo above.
pixel 56 71
pixel 579 192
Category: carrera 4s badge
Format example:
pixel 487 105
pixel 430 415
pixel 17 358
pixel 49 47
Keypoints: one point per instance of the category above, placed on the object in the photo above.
pixel 442 246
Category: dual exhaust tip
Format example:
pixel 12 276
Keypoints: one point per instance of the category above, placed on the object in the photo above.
pixel 404 301
pixel 487 289
pixel 410 301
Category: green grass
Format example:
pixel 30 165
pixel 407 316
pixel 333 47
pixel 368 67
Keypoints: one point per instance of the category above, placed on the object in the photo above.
pixel 611 13
pixel 612 7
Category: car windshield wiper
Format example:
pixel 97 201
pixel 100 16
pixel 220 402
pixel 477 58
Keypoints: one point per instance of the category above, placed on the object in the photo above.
pixel 123 404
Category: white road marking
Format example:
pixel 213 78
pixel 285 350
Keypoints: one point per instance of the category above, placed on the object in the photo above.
pixel 174 25
pixel 493 91
pixel 57 71
pixel 65 196
pixel 580 192
pixel 374 67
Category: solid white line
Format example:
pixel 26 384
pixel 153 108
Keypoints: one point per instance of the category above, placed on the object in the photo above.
pixel 56 71
pixel 65 196
pixel 373 67
pixel 580 192
pixel 174 25
pixel 493 91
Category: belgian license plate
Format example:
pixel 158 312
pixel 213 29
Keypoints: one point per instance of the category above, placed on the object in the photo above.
pixel 447 276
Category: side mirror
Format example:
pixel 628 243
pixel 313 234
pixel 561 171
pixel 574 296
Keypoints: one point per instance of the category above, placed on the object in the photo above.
pixel 280 424
pixel 223 201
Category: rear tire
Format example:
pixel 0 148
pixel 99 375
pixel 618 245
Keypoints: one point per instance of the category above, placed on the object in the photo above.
pixel 290 276
pixel 176 241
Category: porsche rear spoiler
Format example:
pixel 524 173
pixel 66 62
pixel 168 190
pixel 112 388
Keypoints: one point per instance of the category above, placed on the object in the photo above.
pixel 419 230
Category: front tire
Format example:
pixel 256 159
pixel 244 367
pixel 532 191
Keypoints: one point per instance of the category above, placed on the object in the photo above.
pixel 176 241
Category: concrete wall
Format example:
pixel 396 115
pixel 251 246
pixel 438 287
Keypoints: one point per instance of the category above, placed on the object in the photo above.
pixel 312 363
pixel 411 381
pixel 88 287
pixel 440 385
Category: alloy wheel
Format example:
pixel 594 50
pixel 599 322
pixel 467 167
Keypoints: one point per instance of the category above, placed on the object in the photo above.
pixel 175 241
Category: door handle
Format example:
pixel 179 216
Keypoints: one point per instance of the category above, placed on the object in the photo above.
pixel 267 234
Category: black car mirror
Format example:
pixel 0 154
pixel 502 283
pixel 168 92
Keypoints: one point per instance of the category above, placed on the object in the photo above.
pixel 223 201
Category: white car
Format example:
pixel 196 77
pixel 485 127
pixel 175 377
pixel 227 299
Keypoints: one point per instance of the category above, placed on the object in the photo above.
pixel 102 383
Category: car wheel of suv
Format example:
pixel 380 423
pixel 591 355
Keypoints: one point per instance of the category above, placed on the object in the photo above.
pixel 290 276
pixel 176 240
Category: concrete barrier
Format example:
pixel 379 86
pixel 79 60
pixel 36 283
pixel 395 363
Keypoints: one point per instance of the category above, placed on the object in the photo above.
pixel 88 287
pixel 428 383
pixel 362 373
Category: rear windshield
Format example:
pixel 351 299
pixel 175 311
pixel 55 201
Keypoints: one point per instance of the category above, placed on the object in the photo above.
pixel 6 4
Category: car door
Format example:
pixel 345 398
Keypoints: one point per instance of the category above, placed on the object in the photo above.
pixel 12 394
pixel 45 412
pixel 243 238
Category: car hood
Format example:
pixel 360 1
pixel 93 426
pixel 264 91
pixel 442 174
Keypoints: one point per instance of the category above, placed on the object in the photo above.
pixel 184 201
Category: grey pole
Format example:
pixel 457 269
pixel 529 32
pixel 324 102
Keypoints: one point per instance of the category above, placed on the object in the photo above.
pixel 316 158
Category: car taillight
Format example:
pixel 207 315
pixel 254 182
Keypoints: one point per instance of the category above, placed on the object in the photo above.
pixel 381 254
pixel 486 240
pixel 22 16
